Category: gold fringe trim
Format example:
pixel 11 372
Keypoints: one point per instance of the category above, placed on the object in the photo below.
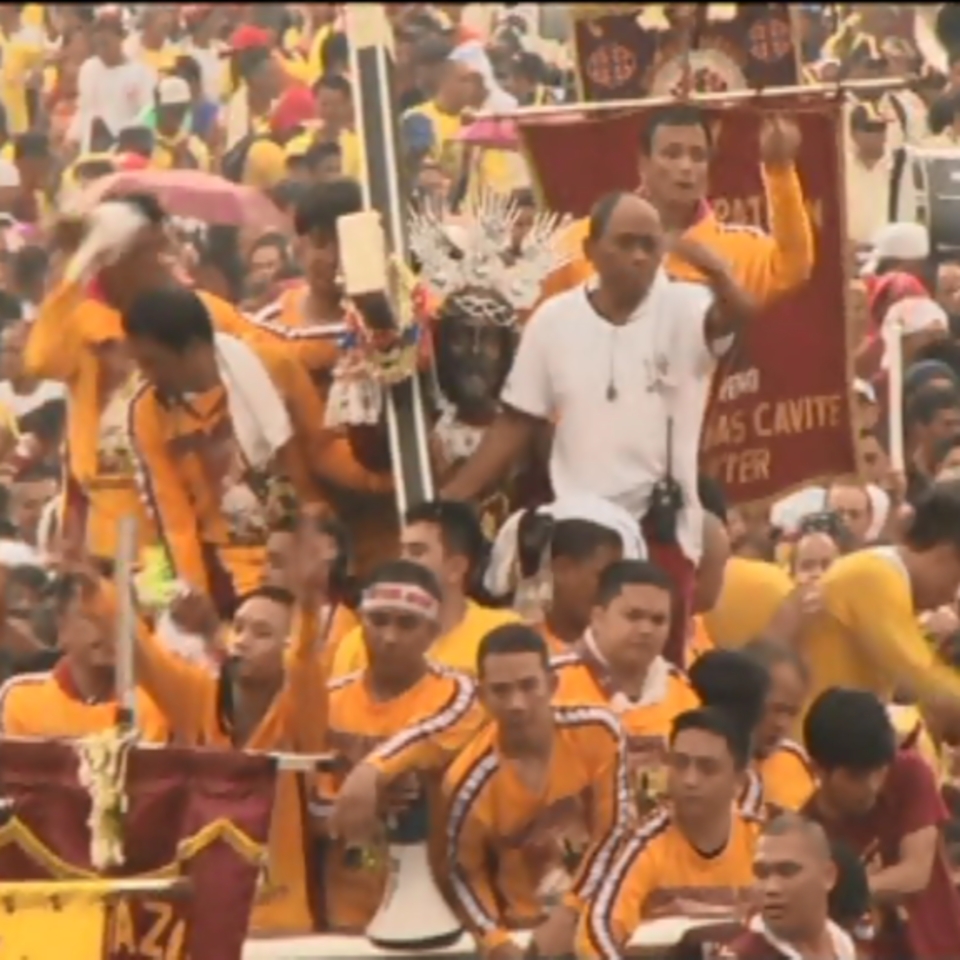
pixel 15 833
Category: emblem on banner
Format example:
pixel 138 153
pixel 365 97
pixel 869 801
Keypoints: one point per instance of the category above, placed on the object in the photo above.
pixel 611 65
pixel 711 69
pixel 770 39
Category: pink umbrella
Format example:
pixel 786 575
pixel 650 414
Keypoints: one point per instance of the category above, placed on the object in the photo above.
pixel 193 194
pixel 492 133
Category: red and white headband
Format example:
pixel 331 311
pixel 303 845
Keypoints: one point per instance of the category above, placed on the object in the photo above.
pixel 400 598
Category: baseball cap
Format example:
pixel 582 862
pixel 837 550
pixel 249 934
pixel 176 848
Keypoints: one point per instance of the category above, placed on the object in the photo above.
pixel 897 241
pixel 173 92
pixel 248 38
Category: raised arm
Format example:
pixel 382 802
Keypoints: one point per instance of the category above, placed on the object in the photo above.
pixel 56 341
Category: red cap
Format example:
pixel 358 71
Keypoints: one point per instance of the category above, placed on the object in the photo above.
pixel 295 108
pixel 249 38
pixel 128 162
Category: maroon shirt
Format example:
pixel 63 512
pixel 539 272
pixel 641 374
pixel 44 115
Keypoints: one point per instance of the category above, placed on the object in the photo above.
pixel 926 926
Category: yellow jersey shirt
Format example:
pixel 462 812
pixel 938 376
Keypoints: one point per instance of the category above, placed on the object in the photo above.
pixel 786 776
pixel 660 873
pixel 765 265
pixel 447 150
pixel 456 649
pixel 867 636
pixel 646 721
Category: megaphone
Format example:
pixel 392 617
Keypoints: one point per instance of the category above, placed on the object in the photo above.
pixel 413 915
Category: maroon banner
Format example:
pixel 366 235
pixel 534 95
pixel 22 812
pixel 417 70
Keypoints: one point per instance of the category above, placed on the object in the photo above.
pixel 780 415
pixel 202 815
pixel 633 51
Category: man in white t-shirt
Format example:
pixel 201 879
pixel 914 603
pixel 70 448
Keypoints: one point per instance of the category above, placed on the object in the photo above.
pixel 111 88
pixel 621 367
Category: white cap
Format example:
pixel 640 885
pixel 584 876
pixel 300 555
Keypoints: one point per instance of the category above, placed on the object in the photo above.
pixel 9 174
pixel 786 514
pixel 173 92
pixel 897 241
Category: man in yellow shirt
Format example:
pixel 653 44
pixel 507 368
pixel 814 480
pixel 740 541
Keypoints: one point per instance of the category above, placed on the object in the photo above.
pixel 867 636
pixel 445 538
pixel 675 149
pixel 335 110
pixel 175 147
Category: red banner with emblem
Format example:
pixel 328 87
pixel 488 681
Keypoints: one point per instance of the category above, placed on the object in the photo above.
pixel 634 51
pixel 780 414
pixel 200 815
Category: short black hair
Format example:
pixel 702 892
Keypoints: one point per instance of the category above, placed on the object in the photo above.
pixel 276 595
pixel 523 198
pixel 432 51
pixel 251 60
pixel 720 724
pixel 288 193
pixel 511 638
pixel 337 83
pixel 188 68
pixel 30 264
pixel 324 204
pixel 172 316
pixel 928 401
pixel 630 573
pixel 32 144
pixel 769 654
pixel 731 681
pixel 602 211
pixel 579 540
pixel 936 517
pixel 458 524
pixel 672 115
pixel 406 572
pixel 528 65
pixel 36 471
pixel 849 730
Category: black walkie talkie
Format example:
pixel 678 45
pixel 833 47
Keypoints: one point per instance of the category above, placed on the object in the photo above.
pixel 666 500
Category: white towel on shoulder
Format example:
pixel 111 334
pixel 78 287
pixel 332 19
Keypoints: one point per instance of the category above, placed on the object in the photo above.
pixel 261 423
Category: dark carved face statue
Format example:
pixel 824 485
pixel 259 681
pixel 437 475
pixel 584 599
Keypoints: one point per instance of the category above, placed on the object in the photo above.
pixel 475 342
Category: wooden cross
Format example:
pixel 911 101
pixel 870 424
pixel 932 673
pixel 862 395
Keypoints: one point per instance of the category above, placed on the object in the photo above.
pixel 371 52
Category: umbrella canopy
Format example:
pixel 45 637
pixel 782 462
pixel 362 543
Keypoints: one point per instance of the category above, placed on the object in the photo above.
pixel 191 193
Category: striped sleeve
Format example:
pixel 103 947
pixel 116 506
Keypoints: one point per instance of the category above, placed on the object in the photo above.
pixel 161 489
pixel 615 912
pixel 612 803
pixel 752 797
pixel 467 852
pixel 11 693
pixel 430 743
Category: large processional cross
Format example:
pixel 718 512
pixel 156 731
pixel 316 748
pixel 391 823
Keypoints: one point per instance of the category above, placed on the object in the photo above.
pixel 371 50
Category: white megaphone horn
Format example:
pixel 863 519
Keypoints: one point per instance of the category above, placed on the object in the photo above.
pixel 413 914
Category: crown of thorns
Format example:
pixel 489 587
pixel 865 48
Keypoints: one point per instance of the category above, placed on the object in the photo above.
pixel 472 253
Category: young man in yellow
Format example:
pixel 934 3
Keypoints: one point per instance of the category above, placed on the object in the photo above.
pixel 445 538
pixel 536 803
pixel 618 664
pixel 691 859
pixel 212 434
pixel 79 696
pixel 309 322
pixel 867 635
pixel 675 148
pixel 784 768
pixel 77 339
pixel 269 695
pixel 175 145
pixel 443 110
pixel 399 689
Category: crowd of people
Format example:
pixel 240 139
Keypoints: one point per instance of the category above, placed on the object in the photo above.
pixel 622 696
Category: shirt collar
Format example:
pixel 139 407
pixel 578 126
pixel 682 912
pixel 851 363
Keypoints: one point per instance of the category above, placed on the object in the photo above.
pixel 63 677
pixel 654 684
pixel 843 946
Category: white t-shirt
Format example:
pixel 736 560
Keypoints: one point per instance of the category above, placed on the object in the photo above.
pixel 20 404
pixel 658 365
pixel 116 95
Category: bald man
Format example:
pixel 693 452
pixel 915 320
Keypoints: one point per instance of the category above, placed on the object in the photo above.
pixel 621 367
pixel 795 873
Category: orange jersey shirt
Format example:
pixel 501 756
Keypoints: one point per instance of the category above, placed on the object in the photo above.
pixel 787 776
pixel 192 698
pixel 765 265
pixel 442 700
pixel 582 678
pixel 48 705
pixel 513 854
pixel 660 873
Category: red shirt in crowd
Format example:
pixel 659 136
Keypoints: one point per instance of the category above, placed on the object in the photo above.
pixel 927 925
